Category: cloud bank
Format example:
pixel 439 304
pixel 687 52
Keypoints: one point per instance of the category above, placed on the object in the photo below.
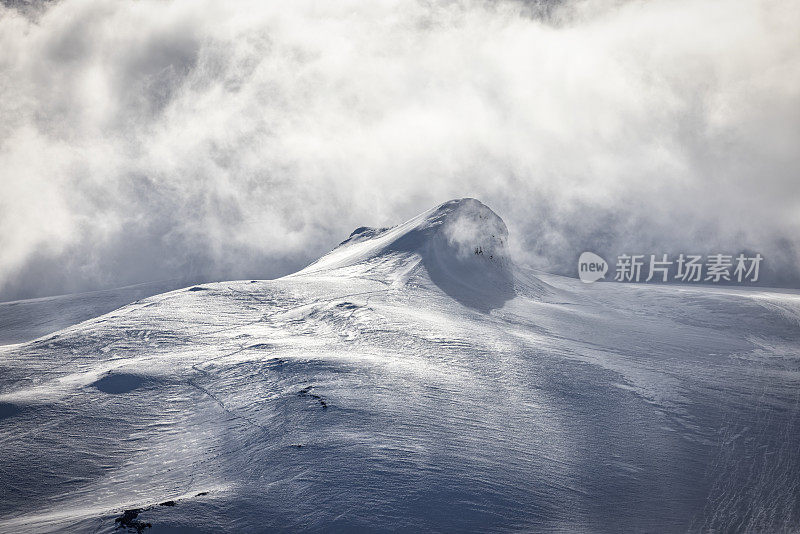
pixel 206 140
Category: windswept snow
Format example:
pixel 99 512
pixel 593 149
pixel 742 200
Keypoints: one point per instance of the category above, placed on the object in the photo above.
pixel 412 379
pixel 25 320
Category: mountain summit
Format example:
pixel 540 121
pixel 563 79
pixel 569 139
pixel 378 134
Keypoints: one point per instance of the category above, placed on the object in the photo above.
pixel 460 246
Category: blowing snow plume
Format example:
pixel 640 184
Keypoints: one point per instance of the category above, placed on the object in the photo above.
pixel 148 140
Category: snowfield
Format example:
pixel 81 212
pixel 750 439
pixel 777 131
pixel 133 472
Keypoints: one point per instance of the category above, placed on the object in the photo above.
pixel 414 379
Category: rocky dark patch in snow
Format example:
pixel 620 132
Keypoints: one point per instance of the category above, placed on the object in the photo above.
pixel 128 520
pixel 306 392
pixel 198 288
pixel 363 232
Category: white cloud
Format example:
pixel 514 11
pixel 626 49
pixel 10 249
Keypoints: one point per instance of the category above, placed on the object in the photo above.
pixel 144 140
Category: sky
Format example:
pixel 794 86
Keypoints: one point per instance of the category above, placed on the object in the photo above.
pixel 200 140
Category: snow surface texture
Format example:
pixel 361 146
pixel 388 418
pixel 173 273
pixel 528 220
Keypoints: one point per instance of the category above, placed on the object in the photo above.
pixel 24 320
pixel 413 379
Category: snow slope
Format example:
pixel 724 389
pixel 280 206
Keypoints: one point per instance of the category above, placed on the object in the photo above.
pixel 25 320
pixel 413 379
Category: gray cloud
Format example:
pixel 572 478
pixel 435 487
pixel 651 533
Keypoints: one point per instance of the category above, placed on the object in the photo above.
pixel 193 139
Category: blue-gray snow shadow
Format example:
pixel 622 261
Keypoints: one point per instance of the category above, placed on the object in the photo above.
pixel 8 409
pixel 366 463
pixel 389 454
pixel 118 383
pixel 480 287
pixel 476 281
pixel 60 448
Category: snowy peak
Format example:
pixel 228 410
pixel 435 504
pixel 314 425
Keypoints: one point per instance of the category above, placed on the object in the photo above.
pixel 467 228
pixel 463 228
pixel 460 246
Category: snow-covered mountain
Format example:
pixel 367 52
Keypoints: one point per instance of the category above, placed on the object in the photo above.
pixel 415 378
